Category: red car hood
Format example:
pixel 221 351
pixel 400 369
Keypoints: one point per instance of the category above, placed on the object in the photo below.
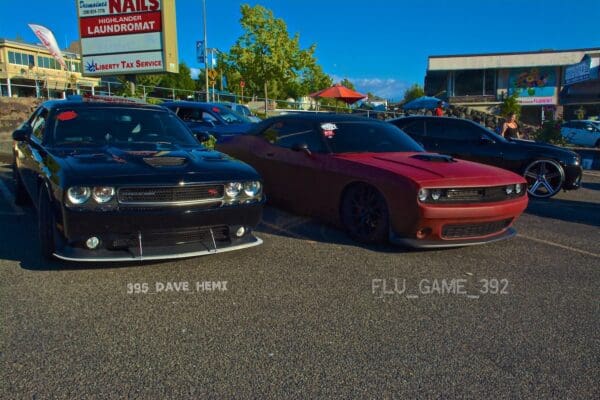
pixel 434 170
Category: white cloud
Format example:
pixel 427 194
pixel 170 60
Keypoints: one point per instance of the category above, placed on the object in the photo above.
pixel 194 72
pixel 387 88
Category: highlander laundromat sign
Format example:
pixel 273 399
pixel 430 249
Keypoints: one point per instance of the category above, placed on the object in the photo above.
pixel 127 36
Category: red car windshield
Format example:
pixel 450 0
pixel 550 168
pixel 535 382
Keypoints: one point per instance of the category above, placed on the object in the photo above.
pixel 367 137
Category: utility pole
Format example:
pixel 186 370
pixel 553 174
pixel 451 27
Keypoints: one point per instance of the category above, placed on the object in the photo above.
pixel 205 53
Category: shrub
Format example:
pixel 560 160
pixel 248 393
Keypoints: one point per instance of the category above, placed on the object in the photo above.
pixel 550 133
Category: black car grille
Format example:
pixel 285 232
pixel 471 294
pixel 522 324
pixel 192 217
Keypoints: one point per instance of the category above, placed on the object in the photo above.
pixel 455 231
pixel 477 195
pixel 174 237
pixel 171 195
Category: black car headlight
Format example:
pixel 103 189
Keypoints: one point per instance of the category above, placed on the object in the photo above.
pixel 252 188
pixel 78 195
pixel 103 194
pixel 233 189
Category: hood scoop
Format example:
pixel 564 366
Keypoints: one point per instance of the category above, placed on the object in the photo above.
pixel 434 158
pixel 165 161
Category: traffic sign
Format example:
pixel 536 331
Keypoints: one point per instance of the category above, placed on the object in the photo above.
pixel 212 82
pixel 242 83
pixel 212 74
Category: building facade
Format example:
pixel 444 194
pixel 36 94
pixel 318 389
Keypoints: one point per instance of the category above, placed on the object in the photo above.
pixel 30 70
pixel 540 80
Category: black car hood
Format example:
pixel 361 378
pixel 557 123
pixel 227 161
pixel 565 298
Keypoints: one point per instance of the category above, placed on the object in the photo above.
pixel 116 165
pixel 543 148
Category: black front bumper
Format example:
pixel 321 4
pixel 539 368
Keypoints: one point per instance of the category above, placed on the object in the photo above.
pixel 573 174
pixel 157 233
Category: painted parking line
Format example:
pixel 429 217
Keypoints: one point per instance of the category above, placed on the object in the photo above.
pixel 592 173
pixel 7 194
pixel 562 246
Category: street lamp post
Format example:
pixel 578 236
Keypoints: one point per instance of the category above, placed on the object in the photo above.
pixel 205 53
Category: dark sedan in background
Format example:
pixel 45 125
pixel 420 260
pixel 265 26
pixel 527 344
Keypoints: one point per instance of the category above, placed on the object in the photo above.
pixel 547 168
pixel 121 181
pixel 377 182
pixel 210 118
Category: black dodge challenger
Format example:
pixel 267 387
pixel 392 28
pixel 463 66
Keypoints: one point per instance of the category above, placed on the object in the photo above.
pixel 120 181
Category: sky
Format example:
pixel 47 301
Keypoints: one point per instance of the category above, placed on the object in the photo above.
pixel 380 45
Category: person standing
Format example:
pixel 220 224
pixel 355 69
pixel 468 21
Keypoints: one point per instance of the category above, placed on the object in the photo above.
pixel 439 110
pixel 510 128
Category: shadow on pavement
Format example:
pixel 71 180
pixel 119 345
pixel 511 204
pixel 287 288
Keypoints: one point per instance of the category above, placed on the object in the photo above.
pixel 280 223
pixel 581 212
pixel 590 185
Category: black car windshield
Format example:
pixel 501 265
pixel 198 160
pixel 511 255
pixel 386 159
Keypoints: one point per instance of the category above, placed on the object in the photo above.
pixel 121 127
pixel 366 136
pixel 230 116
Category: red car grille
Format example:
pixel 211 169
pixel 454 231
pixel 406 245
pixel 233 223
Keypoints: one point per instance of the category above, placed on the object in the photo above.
pixel 170 194
pixel 455 231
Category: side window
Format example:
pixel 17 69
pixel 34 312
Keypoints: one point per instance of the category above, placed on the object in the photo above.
pixel 288 133
pixel 461 131
pixel 189 114
pixel 208 117
pixel 434 128
pixel 414 128
pixel 38 123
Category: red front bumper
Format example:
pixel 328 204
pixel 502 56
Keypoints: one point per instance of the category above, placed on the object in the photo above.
pixel 461 225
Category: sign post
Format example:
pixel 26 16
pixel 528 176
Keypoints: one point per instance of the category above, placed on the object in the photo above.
pixel 242 84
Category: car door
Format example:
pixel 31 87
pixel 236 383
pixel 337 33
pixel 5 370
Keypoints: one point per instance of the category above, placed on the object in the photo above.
pixel 589 134
pixel 289 171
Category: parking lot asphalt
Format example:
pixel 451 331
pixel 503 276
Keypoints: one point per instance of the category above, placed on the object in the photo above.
pixel 311 314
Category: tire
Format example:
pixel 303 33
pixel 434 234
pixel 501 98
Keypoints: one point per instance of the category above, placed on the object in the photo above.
pixel 364 214
pixel 21 196
pixel 47 231
pixel 544 178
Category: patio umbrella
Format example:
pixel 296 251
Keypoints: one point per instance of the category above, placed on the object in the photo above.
pixel 339 92
pixel 423 102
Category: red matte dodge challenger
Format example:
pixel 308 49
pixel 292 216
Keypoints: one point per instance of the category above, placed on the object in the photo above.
pixel 379 184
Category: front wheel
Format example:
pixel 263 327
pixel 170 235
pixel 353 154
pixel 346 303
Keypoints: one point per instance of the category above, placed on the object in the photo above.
pixel 364 214
pixel 48 234
pixel 544 178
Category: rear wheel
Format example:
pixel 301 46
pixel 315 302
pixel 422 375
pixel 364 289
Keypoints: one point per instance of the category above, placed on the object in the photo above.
pixel 544 178
pixel 48 234
pixel 364 214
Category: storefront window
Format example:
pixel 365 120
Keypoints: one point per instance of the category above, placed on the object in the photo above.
pixel 476 82
pixel 435 83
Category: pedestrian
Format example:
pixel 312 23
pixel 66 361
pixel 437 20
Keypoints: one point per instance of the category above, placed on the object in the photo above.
pixel 510 128
pixel 439 110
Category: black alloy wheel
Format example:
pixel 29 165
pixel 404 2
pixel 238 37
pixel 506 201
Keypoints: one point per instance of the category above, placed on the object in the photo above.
pixel 544 178
pixel 364 214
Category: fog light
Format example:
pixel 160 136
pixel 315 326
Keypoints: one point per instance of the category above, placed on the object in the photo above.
pixel 92 242
pixel 423 233
pixel 240 231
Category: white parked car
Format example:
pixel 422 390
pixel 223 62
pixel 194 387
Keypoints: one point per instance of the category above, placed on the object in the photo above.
pixel 242 109
pixel 582 132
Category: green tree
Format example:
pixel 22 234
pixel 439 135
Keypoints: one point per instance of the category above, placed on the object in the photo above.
pixel 511 105
pixel 124 88
pixel 346 82
pixel 181 80
pixel 413 92
pixel 265 56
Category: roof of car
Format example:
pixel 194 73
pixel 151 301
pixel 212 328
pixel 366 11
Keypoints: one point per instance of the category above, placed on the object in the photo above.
pixel 198 104
pixel 104 101
pixel 322 117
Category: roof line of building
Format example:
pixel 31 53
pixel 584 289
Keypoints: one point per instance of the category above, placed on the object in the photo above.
pixel 34 47
pixel 589 49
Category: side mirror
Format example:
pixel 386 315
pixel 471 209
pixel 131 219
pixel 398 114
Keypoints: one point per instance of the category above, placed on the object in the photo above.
pixel 22 134
pixel 486 140
pixel 303 147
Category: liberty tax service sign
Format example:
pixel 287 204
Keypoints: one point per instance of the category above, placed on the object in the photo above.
pixel 127 36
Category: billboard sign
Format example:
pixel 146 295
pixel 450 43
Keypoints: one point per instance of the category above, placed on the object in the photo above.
pixel 127 36
pixel 584 70
pixel 534 86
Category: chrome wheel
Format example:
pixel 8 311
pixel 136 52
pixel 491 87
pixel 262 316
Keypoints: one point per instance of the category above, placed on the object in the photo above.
pixel 544 178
